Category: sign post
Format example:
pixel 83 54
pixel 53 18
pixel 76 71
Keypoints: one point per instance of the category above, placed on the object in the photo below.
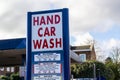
pixel 48 45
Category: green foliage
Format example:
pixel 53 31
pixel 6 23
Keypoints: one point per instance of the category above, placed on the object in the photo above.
pixel 108 60
pixel 4 77
pixel 85 70
pixel 14 76
pixel 115 68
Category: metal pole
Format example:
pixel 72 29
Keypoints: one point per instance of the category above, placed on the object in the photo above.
pixel 72 77
pixel 94 71
pixel 99 74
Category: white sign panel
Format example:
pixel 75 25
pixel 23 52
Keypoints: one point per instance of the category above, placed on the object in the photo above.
pixel 47 57
pixel 47 77
pixel 47 32
pixel 47 68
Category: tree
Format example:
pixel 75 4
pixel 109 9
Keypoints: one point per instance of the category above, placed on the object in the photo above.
pixel 15 76
pixel 115 67
pixel 2 77
pixel 108 60
pixel 98 50
pixel 85 70
pixel 115 53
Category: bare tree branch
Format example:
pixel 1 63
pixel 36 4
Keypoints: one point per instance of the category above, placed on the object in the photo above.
pixel 115 54
pixel 99 52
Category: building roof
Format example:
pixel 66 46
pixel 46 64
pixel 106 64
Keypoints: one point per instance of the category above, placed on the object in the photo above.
pixel 82 48
pixel 11 51
pixel 18 43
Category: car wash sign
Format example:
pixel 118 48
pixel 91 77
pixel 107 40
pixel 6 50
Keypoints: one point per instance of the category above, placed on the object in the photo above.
pixel 48 45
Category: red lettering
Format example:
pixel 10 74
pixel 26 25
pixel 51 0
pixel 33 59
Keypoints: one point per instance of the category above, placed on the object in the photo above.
pixel 45 44
pixel 46 33
pixel 35 21
pixel 42 21
pixel 39 32
pixel 52 31
pixel 50 19
pixel 45 20
pixel 51 43
pixel 58 43
pixel 37 44
pixel 57 19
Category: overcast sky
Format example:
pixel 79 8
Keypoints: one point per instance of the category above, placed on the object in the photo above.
pixel 89 19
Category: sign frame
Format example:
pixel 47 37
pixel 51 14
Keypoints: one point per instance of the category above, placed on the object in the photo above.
pixel 65 36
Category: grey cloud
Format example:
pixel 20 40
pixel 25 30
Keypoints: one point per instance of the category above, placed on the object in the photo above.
pixel 85 15
pixel 14 19
pixel 96 14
